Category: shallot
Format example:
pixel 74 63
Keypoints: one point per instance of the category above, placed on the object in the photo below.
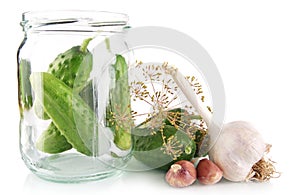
pixel 181 174
pixel 208 172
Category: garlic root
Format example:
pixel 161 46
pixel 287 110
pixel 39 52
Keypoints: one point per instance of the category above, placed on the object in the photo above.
pixel 263 170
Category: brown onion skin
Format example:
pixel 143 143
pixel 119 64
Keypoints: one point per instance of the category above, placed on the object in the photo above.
pixel 208 172
pixel 181 174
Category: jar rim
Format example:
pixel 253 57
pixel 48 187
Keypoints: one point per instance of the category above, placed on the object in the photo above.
pixel 72 20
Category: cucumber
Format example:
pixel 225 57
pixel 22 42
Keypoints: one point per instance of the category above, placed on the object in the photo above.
pixel 150 150
pixel 73 67
pixel 69 113
pixel 52 141
pixel 24 71
pixel 118 112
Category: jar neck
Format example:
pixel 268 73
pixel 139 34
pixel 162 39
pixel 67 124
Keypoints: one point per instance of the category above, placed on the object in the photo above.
pixel 71 21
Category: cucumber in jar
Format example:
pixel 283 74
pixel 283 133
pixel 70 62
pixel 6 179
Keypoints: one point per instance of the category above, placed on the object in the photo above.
pixel 25 101
pixel 69 113
pixel 73 68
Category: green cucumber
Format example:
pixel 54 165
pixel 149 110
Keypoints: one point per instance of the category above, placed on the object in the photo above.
pixel 69 113
pixel 52 141
pixel 73 67
pixel 118 112
pixel 24 71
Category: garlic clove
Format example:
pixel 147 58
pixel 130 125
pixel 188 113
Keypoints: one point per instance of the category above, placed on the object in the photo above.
pixel 181 174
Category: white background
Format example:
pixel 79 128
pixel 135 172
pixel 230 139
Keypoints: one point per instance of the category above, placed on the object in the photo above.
pixel 256 47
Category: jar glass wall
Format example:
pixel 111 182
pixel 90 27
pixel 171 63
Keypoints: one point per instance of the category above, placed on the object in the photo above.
pixel 69 97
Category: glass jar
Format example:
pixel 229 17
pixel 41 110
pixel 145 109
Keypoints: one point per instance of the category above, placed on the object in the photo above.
pixel 69 97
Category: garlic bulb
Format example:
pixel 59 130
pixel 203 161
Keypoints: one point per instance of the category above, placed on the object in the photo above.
pixel 239 147
pixel 239 150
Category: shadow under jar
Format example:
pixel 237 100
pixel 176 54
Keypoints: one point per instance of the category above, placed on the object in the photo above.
pixel 69 129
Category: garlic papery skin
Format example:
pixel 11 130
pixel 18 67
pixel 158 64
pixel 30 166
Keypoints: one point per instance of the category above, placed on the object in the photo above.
pixel 237 149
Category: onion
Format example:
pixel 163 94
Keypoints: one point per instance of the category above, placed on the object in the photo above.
pixel 240 150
